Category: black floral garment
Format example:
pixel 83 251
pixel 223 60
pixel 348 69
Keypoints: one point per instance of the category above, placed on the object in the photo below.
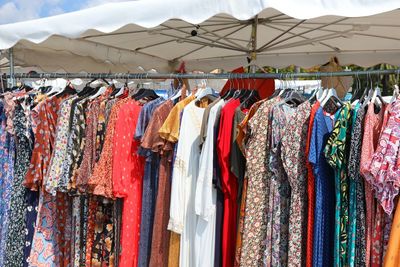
pixel 355 175
pixel 15 242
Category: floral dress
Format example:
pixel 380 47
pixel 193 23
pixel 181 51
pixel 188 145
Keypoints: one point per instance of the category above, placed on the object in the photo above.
pixel 254 229
pixel 293 157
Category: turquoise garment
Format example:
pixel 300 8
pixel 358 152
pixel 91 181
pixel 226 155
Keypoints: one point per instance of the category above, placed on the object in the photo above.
pixel 352 229
pixel 337 156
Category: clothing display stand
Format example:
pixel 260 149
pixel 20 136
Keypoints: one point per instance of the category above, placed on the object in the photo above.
pixel 139 76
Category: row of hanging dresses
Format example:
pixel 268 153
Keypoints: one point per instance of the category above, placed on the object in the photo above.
pixel 321 184
pixel 76 167
pixel 197 181
pixel 72 180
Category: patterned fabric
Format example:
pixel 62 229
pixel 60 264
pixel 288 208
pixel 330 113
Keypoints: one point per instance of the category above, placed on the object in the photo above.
pixel 9 110
pixel 372 128
pixel 103 245
pixel 336 155
pixel 385 163
pixel 46 246
pixel 100 183
pixel 32 201
pixel 44 141
pixel 242 216
pixel 279 197
pixel 79 144
pixel 89 153
pixel 377 238
pixel 102 121
pixel 90 230
pixel 356 241
pixel 293 157
pixel 241 139
pixel 75 147
pixel 76 231
pixel 15 242
pixel 53 176
pixel 258 174
pixel 127 177
pixel 7 158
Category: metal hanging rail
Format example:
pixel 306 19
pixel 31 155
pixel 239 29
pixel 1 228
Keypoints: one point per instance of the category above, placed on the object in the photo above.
pixel 137 76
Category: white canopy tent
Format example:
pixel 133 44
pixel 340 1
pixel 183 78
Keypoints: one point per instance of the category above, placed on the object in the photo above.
pixel 208 34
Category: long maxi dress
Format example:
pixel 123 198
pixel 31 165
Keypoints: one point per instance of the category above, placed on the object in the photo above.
pixel 183 219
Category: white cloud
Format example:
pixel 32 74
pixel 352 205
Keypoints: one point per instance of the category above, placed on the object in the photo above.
pixel 19 10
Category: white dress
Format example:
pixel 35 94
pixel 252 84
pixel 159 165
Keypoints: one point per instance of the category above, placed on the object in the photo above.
pixel 206 197
pixel 183 218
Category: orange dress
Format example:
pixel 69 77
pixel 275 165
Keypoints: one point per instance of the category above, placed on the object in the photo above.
pixel 392 256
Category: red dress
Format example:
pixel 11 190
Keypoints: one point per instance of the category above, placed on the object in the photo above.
pixel 310 191
pixel 127 181
pixel 229 183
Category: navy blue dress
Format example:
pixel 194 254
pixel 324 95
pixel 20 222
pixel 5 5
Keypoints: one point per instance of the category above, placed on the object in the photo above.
pixel 324 216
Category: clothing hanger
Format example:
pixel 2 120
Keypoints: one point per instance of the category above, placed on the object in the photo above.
pixel 201 88
pixel 319 92
pixel 99 92
pixel 241 93
pixel 293 97
pixel 287 87
pixel 252 98
pixel 205 92
pixel 146 93
pixel 356 98
pixel 332 95
pixel 178 93
pixel 230 92
pixel 367 98
pixel 53 89
pixel 377 96
pixel 278 90
pixel 68 90
pixel 396 91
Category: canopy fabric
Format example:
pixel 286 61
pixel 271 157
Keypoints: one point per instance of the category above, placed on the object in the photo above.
pixel 120 37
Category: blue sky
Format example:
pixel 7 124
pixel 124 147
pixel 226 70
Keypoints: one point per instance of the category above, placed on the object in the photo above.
pixel 20 10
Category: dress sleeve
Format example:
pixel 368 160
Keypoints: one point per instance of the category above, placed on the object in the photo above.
pixel 170 128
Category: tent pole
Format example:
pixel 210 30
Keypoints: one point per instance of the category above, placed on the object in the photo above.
pixel 11 59
pixel 253 40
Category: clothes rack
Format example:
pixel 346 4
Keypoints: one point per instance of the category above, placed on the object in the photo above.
pixel 53 75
